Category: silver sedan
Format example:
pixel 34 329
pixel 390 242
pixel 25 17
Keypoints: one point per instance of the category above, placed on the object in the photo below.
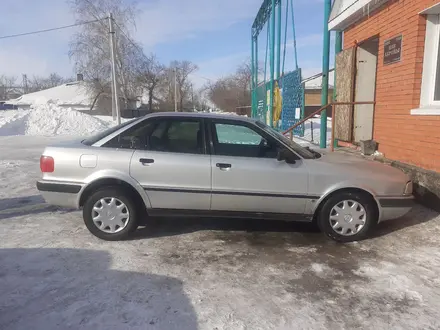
pixel 190 164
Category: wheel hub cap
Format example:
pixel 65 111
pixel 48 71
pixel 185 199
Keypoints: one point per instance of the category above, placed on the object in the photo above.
pixel 110 215
pixel 347 218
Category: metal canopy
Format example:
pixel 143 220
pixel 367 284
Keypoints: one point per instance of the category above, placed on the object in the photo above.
pixel 262 16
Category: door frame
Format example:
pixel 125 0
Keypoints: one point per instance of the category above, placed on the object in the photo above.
pixel 357 45
pixel 210 133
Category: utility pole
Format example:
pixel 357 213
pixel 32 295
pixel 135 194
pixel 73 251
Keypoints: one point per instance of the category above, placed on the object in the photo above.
pixel 192 98
pixel 272 61
pixel 325 69
pixel 279 42
pixel 115 96
pixel 25 84
pixel 175 89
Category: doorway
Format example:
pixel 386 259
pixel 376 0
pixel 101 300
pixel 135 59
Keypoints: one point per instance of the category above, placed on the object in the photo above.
pixel 365 89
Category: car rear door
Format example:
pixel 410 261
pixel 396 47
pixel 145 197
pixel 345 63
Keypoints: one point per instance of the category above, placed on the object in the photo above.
pixel 247 177
pixel 171 163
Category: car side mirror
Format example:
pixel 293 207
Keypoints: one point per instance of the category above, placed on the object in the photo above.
pixel 264 143
pixel 285 155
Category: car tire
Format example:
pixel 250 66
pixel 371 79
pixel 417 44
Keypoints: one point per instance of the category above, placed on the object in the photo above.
pixel 118 202
pixel 357 218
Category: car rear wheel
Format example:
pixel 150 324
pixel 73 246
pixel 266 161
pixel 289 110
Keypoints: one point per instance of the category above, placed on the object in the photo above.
pixel 110 214
pixel 348 216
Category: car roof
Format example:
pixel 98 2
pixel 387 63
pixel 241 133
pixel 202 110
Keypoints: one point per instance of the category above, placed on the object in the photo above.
pixel 200 115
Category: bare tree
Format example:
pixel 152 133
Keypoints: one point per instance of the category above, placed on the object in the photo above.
pixel 232 91
pixel 39 83
pixel 150 74
pixel 7 85
pixel 90 47
pixel 243 77
pixel 182 70
pixel 226 94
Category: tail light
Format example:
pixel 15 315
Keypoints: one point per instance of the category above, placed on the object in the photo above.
pixel 47 164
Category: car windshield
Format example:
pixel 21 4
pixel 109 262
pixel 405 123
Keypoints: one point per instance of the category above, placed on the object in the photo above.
pixel 302 151
pixel 95 138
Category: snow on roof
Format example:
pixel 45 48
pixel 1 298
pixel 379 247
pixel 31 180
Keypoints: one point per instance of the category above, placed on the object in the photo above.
pixel 317 82
pixel 74 93
pixel 347 12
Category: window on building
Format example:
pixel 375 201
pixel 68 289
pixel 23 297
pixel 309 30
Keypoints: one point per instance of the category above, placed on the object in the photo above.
pixel 430 90
pixel 437 69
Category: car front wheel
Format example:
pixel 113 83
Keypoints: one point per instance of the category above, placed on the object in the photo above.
pixel 348 216
pixel 110 214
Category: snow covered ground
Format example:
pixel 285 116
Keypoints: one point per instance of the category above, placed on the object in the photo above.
pixel 312 132
pixel 204 274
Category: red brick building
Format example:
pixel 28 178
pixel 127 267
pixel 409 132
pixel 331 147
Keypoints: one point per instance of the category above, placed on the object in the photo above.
pixel 392 47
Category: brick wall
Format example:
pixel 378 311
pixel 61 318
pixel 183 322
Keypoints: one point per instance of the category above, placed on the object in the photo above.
pixel 401 136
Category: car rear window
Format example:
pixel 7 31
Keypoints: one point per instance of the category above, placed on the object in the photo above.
pixel 95 138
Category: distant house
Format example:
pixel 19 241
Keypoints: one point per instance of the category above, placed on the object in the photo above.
pixel 71 95
pixel 312 94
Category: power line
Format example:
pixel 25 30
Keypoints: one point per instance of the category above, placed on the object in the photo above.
pixel 49 30
pixel 139 48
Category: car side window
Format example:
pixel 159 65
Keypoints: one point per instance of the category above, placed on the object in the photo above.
pixel 235 134
pixel 177 135
pixel 236 139
pixel 133 138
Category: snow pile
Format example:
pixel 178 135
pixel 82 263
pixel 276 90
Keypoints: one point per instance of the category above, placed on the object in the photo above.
pixel 50 120
pixel 312 132
pixel 68 94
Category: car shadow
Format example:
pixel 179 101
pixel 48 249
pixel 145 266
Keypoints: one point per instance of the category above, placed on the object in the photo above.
pixel 160 227
pixel 27 205
pixel 418 215
pixel 15 202
pixel 77 289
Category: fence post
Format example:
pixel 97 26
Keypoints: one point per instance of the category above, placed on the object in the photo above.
pixel 332 142
pixel 325 69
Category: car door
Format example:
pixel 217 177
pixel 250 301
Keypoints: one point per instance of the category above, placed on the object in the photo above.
pixel 246 175
pixel 171 163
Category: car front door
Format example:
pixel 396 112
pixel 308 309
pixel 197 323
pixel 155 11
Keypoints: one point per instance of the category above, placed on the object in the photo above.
pixel 171 163
pixel 246 175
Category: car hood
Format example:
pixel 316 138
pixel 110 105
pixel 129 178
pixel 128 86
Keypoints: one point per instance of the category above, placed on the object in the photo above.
pixel 360 167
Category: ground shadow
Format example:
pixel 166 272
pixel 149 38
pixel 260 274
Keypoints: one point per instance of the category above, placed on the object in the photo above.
pixel 28 205
pixel 418 215
pixel 15 202
pixel 159 227
pixel 76 289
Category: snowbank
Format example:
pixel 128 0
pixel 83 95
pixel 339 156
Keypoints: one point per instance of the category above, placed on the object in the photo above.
pixel 50 120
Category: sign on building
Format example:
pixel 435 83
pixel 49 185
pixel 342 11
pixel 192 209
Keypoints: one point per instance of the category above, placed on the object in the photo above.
pixel 392 50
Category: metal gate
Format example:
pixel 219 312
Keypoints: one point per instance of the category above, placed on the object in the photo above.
pixel 262 103
pixel 293 102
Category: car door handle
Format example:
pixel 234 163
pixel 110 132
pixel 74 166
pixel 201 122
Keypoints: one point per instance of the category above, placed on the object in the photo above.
pixel 223 166
pixel 146 161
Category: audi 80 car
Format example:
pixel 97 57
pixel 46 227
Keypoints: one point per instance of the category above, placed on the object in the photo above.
pixel 195 164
